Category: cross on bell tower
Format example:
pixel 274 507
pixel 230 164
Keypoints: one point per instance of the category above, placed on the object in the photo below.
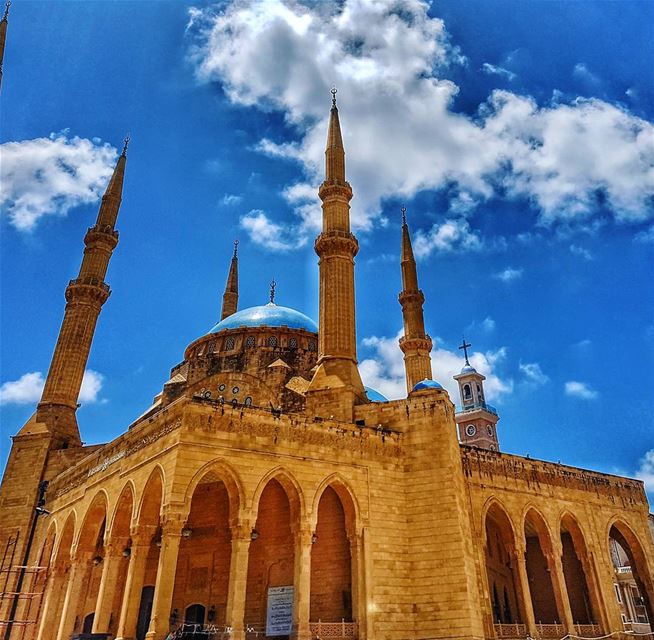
pixel 475 418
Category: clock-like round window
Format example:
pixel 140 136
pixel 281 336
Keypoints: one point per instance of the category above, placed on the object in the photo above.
pixel 471 430
pixel 489 430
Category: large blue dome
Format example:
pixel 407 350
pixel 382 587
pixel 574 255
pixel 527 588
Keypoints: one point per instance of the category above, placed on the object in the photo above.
pixel 374 395
pixel 269 315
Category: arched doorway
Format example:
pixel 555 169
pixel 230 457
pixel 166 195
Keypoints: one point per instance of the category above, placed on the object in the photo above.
pixel 271 560
pixel 538 543
pixel 195 614
pixel 574 560
pixel 145 611
pixel 501 568
pixel 204 558
pixel 632 579
pixel 331 562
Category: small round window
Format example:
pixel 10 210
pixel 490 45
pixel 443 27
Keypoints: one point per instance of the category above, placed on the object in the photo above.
pixel 272 341
pixel 235 390
pixel 229 344
pixel 249 342
pixel 221 387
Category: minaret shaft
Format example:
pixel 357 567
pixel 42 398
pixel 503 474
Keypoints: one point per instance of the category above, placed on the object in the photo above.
pixel 230 297
pixel 84 299
pixel 336 248
pixel 415 344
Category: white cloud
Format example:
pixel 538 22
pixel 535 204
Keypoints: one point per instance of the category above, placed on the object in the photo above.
pixel 451 235
pixel 28 388
pixel 268 234
pixel 488 324
pixel 646 470
pixel 582 72
pixel 509 274
pixel 388 59
pixel 580 390
pixel 646 236
pixel 230 199
pixel 533 373
pixel 50 176
pixel 385 371
pixel 492 69
pixel 581 251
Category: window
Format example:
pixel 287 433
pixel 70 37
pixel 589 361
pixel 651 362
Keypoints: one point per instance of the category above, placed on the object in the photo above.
pixel 272 341
pixel 618 597
pixel 211 346
pixel 229 344
pixel 467 393
pixel 235 390
pixel 312 345
pixel 250 341
pixel 292 343
pixel 221 387
pixel 248 401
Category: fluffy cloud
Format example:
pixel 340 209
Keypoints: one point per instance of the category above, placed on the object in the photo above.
pixel 580 390
pixel 388 59
pixel 646 470
pixel 509 274
pixel 533 374
pixel 268 234
pixel 581 251
pixel 494 70
pixel 385 370
pixel 451 235
pixel 50 176
pixel 28 388
pixel 230 199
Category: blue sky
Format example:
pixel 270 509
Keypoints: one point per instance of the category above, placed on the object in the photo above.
pixel 518 134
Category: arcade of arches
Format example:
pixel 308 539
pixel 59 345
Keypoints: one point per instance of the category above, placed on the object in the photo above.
pixel 537 576
pixel 137 576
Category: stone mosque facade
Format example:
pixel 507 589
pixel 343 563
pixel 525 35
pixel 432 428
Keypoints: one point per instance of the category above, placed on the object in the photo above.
pixel 267 493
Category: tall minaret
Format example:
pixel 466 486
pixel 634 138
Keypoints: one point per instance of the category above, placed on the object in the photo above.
pixel 415 343
pixel 230 297
pixel 3 35
pixel 84 298
pixel 336 248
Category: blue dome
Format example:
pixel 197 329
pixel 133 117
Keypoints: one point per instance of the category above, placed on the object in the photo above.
pixel 468 369
pixel 269 315
pixel 375 396
pixel 427 384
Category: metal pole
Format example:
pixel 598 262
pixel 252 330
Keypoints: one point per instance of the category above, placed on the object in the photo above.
pixel 38 510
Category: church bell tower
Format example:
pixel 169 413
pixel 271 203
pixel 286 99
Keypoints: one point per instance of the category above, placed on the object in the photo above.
pixel 475 418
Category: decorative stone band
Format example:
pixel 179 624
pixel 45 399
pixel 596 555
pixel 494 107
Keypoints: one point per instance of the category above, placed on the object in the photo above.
pixel 335 191
pixel 87 289
pixel 333 243
pixel 423 343
pixel 102 236
pixel 411 297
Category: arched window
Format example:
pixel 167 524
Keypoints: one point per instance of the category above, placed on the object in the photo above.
pixel 467 393
pixel 250 341
pixel 292 343
pixel 248 401
pixel 229 344
pixel 272 341
pixel 211 346
pixel 312 345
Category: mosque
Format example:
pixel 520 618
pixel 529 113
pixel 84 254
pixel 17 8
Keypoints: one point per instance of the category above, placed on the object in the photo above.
pixel 267 493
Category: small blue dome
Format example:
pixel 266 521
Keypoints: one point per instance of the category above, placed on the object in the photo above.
pixel 427 384
pixel 375 396
pixel 269 315
pixel 468 369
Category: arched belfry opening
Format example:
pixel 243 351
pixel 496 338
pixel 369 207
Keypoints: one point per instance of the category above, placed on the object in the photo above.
pixel 271 560
pixel 331 561
pixel 501 568
pixel 203 562
pixel 574 559
pixel 539 571
pixel 633 579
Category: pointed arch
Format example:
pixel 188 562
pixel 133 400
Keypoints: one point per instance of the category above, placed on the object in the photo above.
pixel 152 498
pixel 218 470
pixel 63 546
pixel 94 522
pixel 123 512
pixel 347 497
pixel 291 487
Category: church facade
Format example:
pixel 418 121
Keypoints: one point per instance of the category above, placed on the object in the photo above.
pixel 268 493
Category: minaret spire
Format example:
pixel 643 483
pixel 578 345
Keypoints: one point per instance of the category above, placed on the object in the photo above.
pixel 415 343
pixel 230 297
pixel 336 248
pixel 84 299
pixel 3 35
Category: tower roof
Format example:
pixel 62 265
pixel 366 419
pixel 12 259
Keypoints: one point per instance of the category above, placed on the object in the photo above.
pixel 335 151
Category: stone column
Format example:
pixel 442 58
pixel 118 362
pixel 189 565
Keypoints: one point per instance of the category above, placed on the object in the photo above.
pixel 129 610
pixel 302 582
pixel 357 580
pixel 523 584
pixel 49 615
pixel 555 567
pixel 599 615
pixel 238 577
pixel 76 575
pixel 171 536
pixel 108 585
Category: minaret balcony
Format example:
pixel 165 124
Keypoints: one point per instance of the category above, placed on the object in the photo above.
pixel 477 406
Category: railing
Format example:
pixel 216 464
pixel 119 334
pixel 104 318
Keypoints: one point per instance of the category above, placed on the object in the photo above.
pixel 476 406
pixel 328 630
pixel 519 631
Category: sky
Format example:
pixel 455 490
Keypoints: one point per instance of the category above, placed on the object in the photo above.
pixel 519 136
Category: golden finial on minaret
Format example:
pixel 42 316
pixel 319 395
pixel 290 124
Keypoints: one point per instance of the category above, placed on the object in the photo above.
pixel 415 343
